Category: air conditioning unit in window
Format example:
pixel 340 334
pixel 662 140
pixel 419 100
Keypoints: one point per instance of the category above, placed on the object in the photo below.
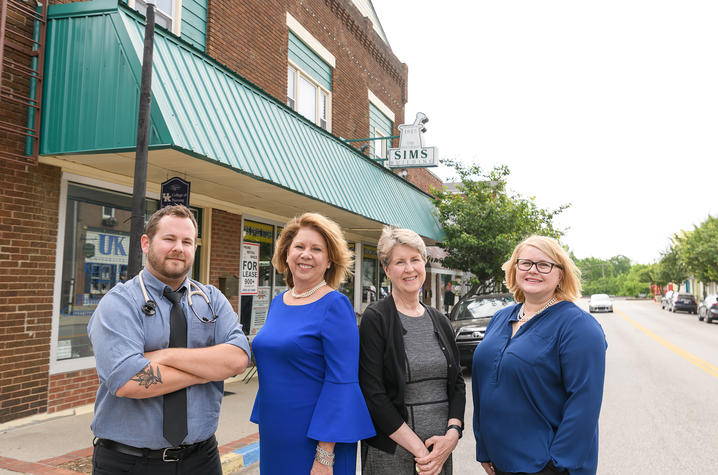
pixel 290 102
pixel 323 124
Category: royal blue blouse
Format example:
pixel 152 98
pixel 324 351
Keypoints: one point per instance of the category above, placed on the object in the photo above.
pixel 537 396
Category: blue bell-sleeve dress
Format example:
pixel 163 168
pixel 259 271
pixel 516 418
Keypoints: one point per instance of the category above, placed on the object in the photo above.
pixel 307 358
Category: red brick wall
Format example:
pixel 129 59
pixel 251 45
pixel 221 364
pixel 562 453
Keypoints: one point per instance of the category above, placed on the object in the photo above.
pixel 226 249
pixel 68 390
pixel 251 38
pixel 28 234
pixel 423 178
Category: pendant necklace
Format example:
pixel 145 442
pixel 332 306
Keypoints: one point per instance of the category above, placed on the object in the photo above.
pixel 308 292
pixel 520 316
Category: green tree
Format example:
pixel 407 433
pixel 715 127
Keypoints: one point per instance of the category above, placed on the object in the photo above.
pixel 483 222
pixel 615 276
pixel 670 267
pixel 620 264
pixel 597 276
pixel 636 281
pixel 699 250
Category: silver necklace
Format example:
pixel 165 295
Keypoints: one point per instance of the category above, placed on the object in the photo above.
pixel 521 313
pixel 308 292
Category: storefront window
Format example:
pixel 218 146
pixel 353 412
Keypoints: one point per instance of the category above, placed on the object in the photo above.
pixel 95 254
pixel 253 312
pixel 369 276
pixel 448 293
pixel 280 285
pixel 347 287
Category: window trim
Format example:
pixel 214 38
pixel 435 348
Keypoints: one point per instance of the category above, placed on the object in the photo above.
pixel 176 26
pixel 379 144
pixel 317 103
pixel 379 104
pixel 74 364
pixel 88 362
pixel 309 39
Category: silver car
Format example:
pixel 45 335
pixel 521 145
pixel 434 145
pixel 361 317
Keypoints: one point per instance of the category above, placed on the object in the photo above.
pixel 600 303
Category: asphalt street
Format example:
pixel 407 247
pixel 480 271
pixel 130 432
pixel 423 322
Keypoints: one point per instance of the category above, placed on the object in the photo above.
pixel 658 415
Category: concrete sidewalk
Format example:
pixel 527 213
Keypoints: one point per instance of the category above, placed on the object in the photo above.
pixel 62 443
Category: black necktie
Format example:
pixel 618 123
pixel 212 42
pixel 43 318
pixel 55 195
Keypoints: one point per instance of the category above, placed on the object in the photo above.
pixel 174 426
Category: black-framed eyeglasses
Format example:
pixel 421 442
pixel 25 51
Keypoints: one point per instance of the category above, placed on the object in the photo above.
pixel 542 267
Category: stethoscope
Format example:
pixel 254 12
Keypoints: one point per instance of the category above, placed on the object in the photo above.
pixel 149 308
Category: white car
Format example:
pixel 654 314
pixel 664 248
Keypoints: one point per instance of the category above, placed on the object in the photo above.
pixel 600 303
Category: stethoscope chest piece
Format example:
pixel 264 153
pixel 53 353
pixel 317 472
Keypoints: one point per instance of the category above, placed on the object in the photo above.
pixel 149 308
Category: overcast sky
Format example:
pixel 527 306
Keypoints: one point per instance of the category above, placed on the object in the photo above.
pixel 611 106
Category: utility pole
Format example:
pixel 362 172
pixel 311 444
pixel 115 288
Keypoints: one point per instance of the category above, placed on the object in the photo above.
pixel 139 188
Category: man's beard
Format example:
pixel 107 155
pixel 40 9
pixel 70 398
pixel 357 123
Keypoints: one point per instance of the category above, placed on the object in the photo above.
pixel 161 266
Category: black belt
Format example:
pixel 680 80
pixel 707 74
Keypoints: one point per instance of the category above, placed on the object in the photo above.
pixel 170 454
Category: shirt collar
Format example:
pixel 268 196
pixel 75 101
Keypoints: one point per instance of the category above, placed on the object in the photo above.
pixel 514 317
pixel 515 311
pixel 156 286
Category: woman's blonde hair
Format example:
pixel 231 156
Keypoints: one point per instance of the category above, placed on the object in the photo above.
pixel 340 257
pixel 391 236
pixel 569 287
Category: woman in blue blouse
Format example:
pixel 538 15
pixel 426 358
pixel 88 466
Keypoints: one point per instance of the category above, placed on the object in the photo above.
pixel 309 407
pixel 538 374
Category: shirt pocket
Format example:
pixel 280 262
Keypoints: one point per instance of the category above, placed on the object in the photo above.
pixel 201 334
pixel 533 349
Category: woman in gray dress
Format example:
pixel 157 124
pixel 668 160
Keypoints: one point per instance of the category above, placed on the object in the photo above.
pixel 409 370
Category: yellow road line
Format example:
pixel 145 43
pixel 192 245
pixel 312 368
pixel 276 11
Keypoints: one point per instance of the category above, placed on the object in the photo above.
pixel 702 364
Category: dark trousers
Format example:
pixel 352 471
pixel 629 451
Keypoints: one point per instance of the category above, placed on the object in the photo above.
pixel 547 470
pixel 202 461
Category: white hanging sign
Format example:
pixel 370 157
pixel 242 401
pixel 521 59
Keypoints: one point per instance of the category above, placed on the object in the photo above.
pixel 411 152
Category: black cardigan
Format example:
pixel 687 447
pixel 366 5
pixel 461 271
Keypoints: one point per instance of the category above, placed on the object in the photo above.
pixel 382 370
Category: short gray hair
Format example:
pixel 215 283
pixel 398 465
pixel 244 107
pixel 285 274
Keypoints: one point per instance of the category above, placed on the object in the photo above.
pixel 391 236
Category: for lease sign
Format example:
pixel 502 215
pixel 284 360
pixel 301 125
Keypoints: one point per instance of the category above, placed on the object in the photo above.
pixel 249 272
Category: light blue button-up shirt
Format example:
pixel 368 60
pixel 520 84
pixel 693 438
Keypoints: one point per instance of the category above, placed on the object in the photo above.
pixel 121 333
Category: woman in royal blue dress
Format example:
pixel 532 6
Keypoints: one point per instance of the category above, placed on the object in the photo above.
pixel 309 406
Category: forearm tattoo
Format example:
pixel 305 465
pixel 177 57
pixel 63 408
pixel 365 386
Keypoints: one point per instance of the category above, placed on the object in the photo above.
pixel 147 377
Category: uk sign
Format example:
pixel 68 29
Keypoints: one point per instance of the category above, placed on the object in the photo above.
pixel 411 152
pixel 174 191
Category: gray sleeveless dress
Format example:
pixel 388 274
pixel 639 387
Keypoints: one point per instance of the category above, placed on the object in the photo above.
pixel 426 400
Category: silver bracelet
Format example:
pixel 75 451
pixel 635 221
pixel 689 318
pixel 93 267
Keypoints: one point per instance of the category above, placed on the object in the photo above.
pixel 324 457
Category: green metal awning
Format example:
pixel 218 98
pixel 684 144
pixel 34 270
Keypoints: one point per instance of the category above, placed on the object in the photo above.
pixel 231 136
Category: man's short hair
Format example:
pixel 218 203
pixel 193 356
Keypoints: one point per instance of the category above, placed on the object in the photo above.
pixel 181 211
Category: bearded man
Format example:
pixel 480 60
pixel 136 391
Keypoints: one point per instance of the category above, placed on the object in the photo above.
pixel 164 344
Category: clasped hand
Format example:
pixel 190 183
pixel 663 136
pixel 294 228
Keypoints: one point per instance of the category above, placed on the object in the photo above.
pixel 443 445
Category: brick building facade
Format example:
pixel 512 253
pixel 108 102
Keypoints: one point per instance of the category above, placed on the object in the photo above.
pixel 47 280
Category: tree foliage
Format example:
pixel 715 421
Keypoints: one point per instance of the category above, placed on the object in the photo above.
pixel 699 250
pixel 670 267
pixel 615 276
pixel 483 222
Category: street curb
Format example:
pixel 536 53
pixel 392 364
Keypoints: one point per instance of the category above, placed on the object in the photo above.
pixel 240 453
pixel 240 458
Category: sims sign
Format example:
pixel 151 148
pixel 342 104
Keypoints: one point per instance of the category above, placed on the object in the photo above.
pixel 411 152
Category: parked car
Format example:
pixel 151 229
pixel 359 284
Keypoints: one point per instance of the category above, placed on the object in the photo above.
pixel 683 303
pixel 666 299
pixel 469 318
pixel 708 309
pixel 600 303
